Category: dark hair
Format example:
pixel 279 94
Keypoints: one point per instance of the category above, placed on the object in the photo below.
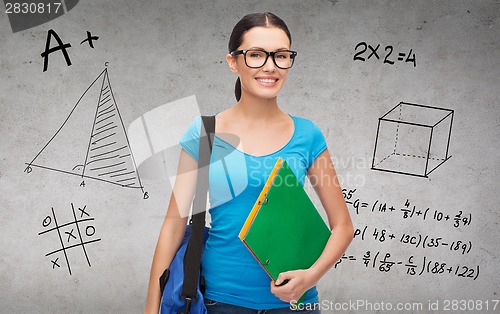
pixel 249 21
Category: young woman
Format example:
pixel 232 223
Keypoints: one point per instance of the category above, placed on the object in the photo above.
pixel 259 52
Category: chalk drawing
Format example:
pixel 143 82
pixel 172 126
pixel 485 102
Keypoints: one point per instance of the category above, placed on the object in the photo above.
pixel 412 139
pixel 92 142
pixel 78 232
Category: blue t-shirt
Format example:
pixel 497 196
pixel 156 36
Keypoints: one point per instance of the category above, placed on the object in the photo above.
pixel 232 274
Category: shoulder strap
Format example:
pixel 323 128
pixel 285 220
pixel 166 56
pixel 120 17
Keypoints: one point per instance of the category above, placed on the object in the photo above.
pixel 192 259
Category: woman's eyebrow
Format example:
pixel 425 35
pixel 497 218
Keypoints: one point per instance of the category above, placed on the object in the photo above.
pixel 260 48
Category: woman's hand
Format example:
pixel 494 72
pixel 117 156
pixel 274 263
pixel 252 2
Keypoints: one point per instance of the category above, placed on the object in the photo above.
pixel 297 283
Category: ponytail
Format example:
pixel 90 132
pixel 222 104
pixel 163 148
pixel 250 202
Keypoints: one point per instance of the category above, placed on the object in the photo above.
pixel 237 89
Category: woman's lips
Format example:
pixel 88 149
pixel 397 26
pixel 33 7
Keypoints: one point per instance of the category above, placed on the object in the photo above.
pixel 267 81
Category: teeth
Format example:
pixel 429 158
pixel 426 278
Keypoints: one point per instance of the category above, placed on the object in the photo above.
pixel 267 80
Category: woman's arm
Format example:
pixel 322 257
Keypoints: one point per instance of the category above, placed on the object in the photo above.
pixel 173 228
pixel 324 180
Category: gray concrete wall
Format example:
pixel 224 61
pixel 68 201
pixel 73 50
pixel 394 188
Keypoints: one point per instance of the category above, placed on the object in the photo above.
pixel 157 52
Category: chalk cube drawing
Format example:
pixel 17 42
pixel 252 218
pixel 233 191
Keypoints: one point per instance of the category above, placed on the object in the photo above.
pixel 412 139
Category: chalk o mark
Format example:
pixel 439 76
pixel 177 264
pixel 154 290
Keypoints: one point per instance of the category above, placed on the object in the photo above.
pixel 89 234
pixel 46 222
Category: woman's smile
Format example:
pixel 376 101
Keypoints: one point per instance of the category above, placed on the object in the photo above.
pixel 267 81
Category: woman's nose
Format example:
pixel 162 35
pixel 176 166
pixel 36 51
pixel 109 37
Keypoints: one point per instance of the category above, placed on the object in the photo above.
pixel 269 66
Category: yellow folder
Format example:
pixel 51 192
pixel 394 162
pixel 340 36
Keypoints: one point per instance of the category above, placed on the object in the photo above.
pixel 284 231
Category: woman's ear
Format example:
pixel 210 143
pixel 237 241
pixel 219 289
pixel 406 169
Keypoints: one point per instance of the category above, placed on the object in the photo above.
pixel 231 61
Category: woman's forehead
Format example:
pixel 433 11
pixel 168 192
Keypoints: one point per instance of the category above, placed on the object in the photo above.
pixel 269 38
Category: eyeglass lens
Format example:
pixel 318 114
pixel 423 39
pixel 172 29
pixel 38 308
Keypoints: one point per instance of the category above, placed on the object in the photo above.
pixel 257 58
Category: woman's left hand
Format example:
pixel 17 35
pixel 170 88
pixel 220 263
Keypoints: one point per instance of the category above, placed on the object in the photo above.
pixel 298 282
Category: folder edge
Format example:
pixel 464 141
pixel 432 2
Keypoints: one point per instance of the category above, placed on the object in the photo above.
pixel 260 199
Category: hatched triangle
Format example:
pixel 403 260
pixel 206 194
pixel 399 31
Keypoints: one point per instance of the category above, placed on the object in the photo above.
pixel 92 142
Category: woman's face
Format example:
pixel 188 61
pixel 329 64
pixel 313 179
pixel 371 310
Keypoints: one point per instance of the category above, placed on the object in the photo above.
pixel 266 81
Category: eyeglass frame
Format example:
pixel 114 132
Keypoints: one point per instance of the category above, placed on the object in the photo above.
pixel 271 53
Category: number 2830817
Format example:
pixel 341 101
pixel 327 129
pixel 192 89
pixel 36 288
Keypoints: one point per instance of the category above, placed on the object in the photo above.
pixel 32 8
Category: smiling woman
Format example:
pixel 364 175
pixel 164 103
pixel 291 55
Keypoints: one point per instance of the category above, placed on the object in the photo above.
pixel 258 31
pixel 254 66
pixel 260 54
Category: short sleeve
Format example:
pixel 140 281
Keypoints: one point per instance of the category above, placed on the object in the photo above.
pixel 190 141
pixel 318 143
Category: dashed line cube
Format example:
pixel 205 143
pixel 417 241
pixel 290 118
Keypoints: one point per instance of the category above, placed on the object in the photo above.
pixel 412 139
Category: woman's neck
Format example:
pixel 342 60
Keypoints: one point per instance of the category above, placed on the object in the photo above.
pixel 257 108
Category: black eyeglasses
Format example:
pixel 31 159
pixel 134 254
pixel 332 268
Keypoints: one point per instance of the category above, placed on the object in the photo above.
pixel 256 58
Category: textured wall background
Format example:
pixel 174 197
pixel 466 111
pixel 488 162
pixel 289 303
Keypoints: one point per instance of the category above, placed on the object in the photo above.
pixel 160 51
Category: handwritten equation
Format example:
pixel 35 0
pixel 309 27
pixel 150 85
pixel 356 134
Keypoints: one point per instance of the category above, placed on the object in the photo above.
pixel 415 240
pixel 413 267
pixel 407 211
pixel 70 234
pixel 362 48
pixel 425 241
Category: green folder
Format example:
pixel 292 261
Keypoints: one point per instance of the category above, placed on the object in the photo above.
pixel 284 231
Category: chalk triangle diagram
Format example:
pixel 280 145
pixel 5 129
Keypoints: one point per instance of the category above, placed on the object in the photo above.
pixel 92 141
